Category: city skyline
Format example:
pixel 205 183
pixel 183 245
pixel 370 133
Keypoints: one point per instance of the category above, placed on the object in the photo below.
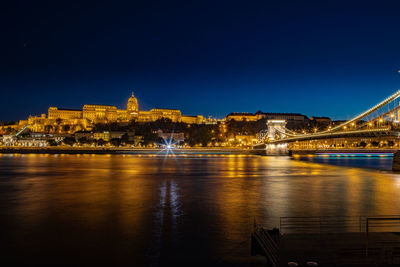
pixel 79 107
pixel 200 133
pixel 318 59
pixel 83 106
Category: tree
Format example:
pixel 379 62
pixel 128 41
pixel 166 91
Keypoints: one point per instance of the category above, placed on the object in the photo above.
pixel 69 140
pixel 48 128
pixel 52 143
pixel 6 123
pixel 115 141
pixel 374 143
pixel 125 139
pixel 84 140
pixel 101 142
pixel 10 130
pixel 200 134
pixel 59 121
pixel 76 127
pixel 66 127
pixel 363 144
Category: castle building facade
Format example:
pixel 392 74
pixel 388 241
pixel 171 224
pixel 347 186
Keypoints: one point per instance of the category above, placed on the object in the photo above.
pixel 71 120
pixel 65 114
pixel 61 120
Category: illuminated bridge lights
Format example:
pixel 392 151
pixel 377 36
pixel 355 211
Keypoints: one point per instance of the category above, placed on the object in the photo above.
pixel 357 127
pixel 366 113
pixel 344 154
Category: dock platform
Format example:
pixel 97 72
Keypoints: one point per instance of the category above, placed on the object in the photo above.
pixel 331 241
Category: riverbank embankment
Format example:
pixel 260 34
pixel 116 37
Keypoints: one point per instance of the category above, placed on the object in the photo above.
pixel 342 150
pixel 107 150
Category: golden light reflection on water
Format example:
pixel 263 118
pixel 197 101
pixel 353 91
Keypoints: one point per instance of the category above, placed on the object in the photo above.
pixel 155 199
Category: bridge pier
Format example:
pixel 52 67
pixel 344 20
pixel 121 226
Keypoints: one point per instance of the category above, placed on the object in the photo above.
pixel 277 149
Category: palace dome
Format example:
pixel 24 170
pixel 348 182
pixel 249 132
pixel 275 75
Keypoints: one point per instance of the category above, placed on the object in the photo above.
pixel 132 105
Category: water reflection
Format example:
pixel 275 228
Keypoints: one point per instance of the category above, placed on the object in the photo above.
pixel 373 161
pixel 152 210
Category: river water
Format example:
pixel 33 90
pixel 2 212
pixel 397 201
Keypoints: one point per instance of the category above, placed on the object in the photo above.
pixel 152 210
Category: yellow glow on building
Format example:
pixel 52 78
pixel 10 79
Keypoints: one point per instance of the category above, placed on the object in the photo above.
pixel 71 120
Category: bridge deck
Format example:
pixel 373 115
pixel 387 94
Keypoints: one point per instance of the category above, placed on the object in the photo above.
pixel 340 134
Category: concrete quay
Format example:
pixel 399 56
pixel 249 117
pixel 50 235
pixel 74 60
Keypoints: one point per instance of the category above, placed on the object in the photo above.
pixel 86 150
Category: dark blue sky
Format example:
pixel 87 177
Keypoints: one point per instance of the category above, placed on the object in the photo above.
pixel 323 58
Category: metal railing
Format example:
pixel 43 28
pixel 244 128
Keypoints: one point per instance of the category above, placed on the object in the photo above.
pixel 267 245
pixel 340 224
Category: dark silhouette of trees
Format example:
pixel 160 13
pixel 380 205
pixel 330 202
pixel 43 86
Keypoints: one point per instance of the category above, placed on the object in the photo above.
pixel 83 140
pixel 363 144
pixel 66 127
pixel 374 143
pixel 48 128
pixel 115 141
pixel 69 140
pixel 6 123
pixel 101 142
pixel 245 127
pixel 195 134
pixel 52 143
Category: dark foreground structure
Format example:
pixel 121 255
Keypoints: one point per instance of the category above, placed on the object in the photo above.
pixel 330 241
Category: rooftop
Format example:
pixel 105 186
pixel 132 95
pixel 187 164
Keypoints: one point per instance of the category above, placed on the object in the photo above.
pixel 241 114
pixel 283 114
pixel 69 109
pixel 98 105
pixel 170 109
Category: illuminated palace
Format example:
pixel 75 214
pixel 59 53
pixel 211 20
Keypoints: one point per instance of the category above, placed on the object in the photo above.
pixel 80 119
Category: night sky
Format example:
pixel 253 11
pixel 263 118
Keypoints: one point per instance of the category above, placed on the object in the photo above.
pixel 321 58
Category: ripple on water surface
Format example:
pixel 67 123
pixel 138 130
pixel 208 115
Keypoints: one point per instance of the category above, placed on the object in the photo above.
pixel 145 209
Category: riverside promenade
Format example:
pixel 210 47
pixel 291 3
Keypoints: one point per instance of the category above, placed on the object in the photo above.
pixel 114 150
pixel 354 151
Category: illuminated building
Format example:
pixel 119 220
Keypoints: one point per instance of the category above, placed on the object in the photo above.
pixel 61 120
pixel 288 117
pixel 161 113
pixel 132 107
pixel 31 142
pixel 243 116
pixel 65 114
pixel 293 119
pixel 246 116
pixel 102 135
pixel 321 120
pixel 97 113
pixel 144 116
pixel 192 119
pixel 103 113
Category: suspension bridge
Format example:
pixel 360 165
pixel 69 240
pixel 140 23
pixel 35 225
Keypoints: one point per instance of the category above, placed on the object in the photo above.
pixel 377 128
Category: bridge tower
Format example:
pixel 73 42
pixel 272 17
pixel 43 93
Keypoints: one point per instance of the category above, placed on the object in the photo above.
pixel 276 127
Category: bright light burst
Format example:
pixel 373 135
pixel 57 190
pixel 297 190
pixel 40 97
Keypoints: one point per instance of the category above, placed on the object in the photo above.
pixel 168 145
